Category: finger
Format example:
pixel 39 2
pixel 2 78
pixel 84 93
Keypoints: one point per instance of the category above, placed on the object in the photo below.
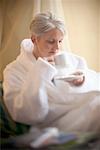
pixel 78 73
pixel 78 81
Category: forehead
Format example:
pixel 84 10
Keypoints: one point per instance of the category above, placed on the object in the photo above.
pixel 53 33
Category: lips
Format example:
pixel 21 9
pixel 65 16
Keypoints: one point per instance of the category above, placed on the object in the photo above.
pixel 53 52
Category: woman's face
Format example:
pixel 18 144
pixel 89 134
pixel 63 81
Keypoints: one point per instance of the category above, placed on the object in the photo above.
pixel 49 43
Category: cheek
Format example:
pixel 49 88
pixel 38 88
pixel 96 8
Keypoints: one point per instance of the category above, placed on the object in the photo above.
pixel 47 47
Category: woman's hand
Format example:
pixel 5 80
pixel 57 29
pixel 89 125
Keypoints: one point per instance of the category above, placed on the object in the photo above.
pixel 79 80
pixel 50 60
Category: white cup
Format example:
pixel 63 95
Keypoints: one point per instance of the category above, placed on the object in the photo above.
pixel 61 60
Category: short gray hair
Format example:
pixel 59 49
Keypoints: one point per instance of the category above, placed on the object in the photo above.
pixel 44 22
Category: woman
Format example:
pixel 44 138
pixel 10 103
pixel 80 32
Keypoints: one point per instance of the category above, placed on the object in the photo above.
pixel 35 96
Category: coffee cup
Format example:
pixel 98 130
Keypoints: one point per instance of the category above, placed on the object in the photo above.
pixel 60 60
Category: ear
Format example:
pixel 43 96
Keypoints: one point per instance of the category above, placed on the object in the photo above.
pixel 33 38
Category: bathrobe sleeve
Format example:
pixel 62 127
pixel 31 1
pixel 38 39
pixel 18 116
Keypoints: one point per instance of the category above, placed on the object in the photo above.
pixel 76 61
pixel 24 90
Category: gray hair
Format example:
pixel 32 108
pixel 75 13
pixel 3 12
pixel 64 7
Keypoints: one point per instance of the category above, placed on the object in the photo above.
pixel 44 22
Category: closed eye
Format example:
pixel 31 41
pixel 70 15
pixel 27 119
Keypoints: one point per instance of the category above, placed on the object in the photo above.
pixel 60 41
pixel 51 41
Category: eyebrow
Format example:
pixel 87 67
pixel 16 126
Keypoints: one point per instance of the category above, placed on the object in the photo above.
pixel 54 39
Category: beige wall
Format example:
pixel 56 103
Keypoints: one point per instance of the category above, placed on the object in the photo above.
pixel 83 22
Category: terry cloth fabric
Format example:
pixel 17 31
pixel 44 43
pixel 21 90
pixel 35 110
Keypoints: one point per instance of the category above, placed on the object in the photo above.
pixel 7 125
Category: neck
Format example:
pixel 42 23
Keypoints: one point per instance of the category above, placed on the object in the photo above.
pixel 35 52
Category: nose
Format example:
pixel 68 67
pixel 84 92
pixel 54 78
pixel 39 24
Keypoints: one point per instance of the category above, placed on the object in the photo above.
pixel 57 46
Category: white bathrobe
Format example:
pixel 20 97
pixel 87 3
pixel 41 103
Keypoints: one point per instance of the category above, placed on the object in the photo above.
pixel 33 96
